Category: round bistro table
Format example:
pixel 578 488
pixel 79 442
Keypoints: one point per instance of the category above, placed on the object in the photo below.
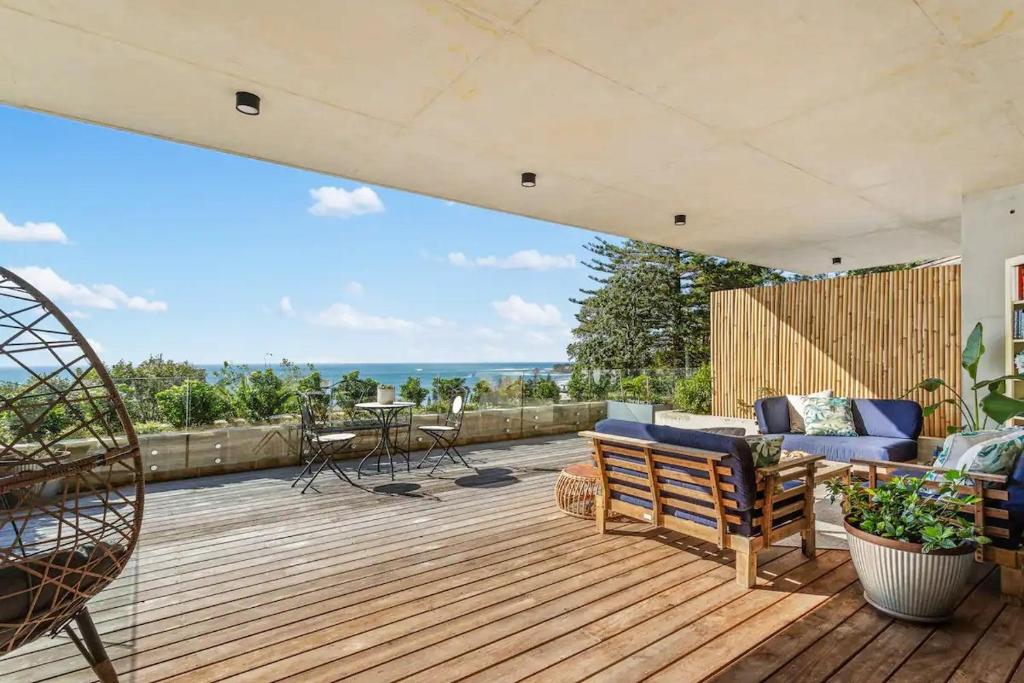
pixel 385 414
pixel 576 489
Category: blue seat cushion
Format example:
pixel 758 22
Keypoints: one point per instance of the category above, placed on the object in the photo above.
pixel 846 448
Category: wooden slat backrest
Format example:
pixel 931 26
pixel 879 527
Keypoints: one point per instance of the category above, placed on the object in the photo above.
pixel 652 461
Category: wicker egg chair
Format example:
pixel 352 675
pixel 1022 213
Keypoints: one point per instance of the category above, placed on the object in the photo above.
pixel 71 481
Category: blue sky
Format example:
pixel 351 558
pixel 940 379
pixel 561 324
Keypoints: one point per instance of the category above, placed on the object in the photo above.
pixel 157 247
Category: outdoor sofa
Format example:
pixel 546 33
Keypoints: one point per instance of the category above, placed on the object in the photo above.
pixel 703 485
pixel 887 429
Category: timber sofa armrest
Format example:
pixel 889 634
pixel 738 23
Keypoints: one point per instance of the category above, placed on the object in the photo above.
pixel 924 469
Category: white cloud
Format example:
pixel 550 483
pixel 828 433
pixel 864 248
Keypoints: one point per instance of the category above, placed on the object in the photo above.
pixel 79 315
pixel 342 203
pixel 516 310
pixel 31 232
pixel 488 333
pixel 354 288
pixel 96 346
pixel 527 259
pixel 285 308
pixel 108 297
pixel 347 317
pixel 437 322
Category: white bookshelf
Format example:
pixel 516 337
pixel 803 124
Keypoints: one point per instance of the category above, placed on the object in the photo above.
pixel 1014 342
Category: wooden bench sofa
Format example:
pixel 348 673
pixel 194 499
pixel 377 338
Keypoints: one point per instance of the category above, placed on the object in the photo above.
pixel 703 485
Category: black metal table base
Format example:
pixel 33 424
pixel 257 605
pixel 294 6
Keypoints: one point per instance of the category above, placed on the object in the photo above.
pixel 386 445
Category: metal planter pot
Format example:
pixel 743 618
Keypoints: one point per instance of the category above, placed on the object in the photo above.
pixel 904 582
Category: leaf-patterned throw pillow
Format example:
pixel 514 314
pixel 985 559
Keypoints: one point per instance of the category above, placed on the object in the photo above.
pixel 766 449
pixel 954 448
pixel 995 456
pixel 829 417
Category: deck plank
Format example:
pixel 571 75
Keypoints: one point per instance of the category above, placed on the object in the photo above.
pixel 473 574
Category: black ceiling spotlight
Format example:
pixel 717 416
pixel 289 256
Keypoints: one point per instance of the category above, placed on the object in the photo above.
pixel 247 103
pixel 837 260
pixel 529 179
pixel 680 219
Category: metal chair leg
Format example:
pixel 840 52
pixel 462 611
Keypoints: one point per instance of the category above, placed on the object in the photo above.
pixel 426 455
pixel 92 647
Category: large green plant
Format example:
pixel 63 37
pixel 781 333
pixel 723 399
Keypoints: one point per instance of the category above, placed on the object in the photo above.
pixel 262 394
pixel 995 406
pixel 413 390
pixel 905 509
pixel 193 403
pixel 693 394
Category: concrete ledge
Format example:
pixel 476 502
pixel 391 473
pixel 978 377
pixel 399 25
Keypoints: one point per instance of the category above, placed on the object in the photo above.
pixel 677 418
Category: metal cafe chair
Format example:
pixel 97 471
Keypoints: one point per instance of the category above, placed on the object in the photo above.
pixel 446 433
pixel 320 443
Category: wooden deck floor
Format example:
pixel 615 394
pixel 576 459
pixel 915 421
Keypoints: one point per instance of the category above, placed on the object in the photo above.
pixel 476 575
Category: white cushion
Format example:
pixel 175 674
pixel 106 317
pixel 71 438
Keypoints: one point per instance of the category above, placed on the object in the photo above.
pixel 337 436
pixel 796 409
pixel 994 456
pixel 437 428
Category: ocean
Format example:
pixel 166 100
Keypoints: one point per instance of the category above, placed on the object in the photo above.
pixel 389 373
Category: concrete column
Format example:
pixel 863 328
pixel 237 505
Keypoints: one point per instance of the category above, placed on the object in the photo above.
pixel 991 231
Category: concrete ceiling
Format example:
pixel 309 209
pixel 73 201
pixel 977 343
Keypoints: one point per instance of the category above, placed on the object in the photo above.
pixel 788 131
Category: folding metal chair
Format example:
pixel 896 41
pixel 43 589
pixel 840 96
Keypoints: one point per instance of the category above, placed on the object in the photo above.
pixel 319 443
pixel 446 433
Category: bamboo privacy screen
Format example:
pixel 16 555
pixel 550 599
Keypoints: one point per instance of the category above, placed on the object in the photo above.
pixel 871 336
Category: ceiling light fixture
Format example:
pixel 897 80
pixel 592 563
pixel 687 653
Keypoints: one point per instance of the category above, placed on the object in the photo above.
pixel 529 179
pixel 837 260
pixel 247 103
pixel 680 219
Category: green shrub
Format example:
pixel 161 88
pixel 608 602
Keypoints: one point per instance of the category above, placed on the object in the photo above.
pixel 413 390
pixel 352 389
pixel 482 391
pixel 637 388
pixel 192 403
pixel 693 393
pixel 262 394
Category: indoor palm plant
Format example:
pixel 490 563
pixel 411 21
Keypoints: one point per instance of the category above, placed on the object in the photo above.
pixel 994 408
pixel 910 542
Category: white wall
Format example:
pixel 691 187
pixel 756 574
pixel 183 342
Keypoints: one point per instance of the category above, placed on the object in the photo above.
pixel 989 234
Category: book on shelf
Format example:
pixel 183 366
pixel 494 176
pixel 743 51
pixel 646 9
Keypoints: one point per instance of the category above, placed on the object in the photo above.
pixel 1020 282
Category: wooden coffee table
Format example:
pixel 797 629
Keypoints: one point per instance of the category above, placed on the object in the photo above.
pixel 823 469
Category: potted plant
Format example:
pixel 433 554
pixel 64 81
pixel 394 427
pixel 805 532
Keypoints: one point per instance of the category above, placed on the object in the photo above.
pixel 636 400
pixel 910 543
pixel 386 394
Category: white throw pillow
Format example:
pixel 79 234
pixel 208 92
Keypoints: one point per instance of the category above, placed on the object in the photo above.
pixel 994 456
pixel 956 446
pixel 796 409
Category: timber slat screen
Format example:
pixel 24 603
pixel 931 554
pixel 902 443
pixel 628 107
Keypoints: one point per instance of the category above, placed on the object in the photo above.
pixel 869 336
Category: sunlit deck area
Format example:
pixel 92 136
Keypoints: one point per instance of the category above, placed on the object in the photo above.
pixel 476 574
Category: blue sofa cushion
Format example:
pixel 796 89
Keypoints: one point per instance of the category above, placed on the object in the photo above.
pixel 738 457
pixel 892 418
pixel 846 448
pixel 772 415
